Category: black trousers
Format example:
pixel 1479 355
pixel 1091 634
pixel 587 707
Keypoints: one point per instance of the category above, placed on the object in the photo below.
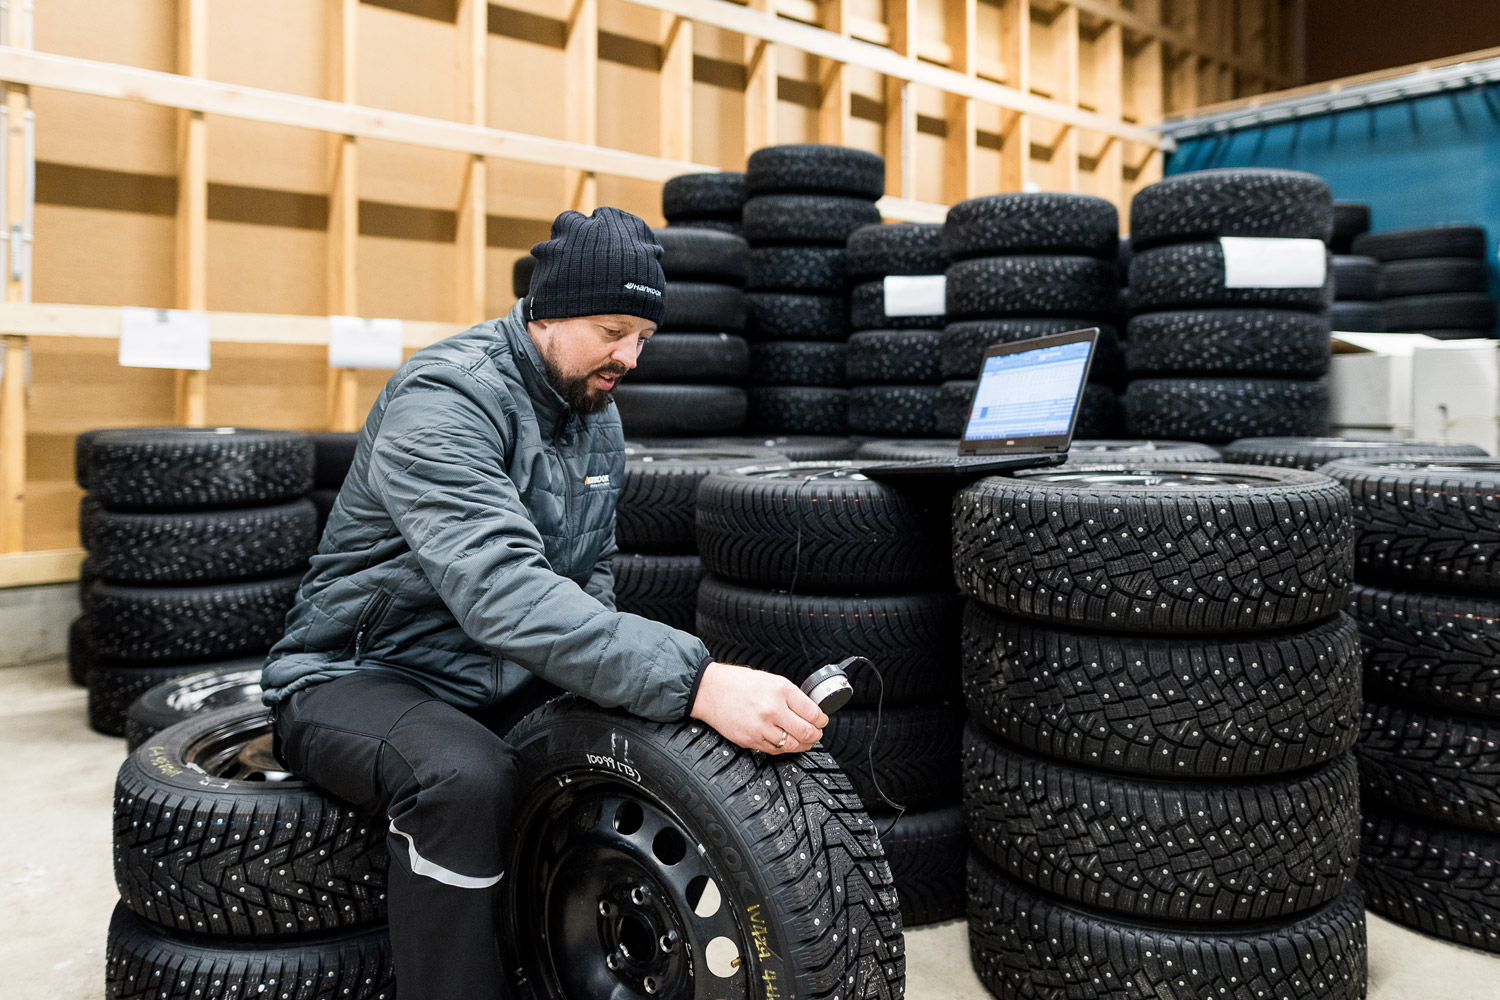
pixel 447 783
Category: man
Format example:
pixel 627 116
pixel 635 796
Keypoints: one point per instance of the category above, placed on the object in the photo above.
pixel 466 561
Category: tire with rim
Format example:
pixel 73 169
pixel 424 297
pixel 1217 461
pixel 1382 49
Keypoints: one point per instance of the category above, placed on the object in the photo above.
pixel 1217 408
pixel 791 447
pixel 1165 706
pixel 659 497
pixel 1027 944
pixel 819 528
pixel 182 468
pixel 115 686
pixel 1234 201
pixel 1426 524
pixel 611 889
pixel 212 837
pixel 169 703
pixel 1081 452
pixel 1430 649
pixel 1192 852
pixel 662 588
pixel 1312 453
pixel 1157 548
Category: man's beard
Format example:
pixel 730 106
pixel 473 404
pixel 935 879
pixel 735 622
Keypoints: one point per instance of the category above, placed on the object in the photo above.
pixel 575 390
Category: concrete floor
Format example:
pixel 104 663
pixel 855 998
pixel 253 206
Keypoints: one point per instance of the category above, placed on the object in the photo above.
pixel 58 890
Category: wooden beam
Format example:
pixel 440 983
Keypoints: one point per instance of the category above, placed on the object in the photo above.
pixel 761 82
pixel 1065 28
pixel 85 76
pixel 677 88
pixel 473 211
pixel 192 202
pixel 959 182
pixel 1184 39
pixel 901 105
pixel 1109 80
pixel 33 569
pixel 581 99
pixel 833 81
pixel 342 253
pixel 1015 52
pixel 13 446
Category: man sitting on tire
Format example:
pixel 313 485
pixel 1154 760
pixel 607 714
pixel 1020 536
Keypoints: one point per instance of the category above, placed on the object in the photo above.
pixel 465 568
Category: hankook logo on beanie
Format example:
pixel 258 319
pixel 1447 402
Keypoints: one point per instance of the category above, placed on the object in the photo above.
pixel 632 286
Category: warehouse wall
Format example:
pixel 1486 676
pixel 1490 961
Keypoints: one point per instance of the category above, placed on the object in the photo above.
pixel 1346 37
pixel 1418 162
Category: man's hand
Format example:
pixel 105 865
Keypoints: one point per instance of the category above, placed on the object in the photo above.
pixel 757 710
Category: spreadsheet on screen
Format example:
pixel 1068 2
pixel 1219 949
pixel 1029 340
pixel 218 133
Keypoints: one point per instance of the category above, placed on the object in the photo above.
pixel 1029 393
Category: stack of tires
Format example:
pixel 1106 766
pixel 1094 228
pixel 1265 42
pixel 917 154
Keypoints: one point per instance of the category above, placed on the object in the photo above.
pixel 197 541
pixel 1356 294
pixel 1350 220
pixel 804 202
pixel 1433 280
pixel 657 571
pixel 1023 266
pixel 810 563
pixel 688 378
pixel 705 201
pixel 1428 604
pixel 1230 333
pixel 1164 691
pixel 333 453
pixel 897 282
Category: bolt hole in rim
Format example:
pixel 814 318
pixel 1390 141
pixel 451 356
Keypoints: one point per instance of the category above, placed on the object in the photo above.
pixel 239 750
pixel 618 903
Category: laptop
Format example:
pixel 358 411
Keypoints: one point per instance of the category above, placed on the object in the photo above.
pixel 1022 416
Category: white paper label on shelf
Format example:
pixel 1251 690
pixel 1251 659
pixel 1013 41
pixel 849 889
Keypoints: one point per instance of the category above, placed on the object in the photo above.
pixel 1268 262
pixel 916 294
pixel 354 342
pixel 163 338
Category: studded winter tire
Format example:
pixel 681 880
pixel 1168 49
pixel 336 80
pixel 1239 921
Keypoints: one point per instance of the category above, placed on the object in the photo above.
pixel 1315 452
pixel 867 311
pixel 1443 766
pixel 1224 408
pixel 963 343
pixel 899 248
pixel 187 624
pixel 214 837
pixel 182 468
pixel 1191 275
pixel 1430 649
pixel 1238 201
pixel 896 410
pixel 705 195
pixel 1031 285
pixel 798 269
pixel 659 858
pixel 1157 548
pixel 797 362
pixel 169 703
pixel 1265 342
pixel 894 356
pixel 1040 222
pixel 811 166
pixel 115 686
pixel 811 219
pixel 798 409
pixel 795 316
pixel 662 588
pixel 791 447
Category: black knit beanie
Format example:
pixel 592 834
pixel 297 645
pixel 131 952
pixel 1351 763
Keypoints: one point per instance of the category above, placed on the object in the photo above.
pixel 594 265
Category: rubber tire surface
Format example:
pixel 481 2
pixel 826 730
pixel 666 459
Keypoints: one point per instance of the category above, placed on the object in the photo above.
pixel 333 453
pixel 1193 852
pixel 817 219
pixel 1166 706
pixel 1350 218
pixel 1273 552
pixel 916 752
pixel 1311 453
pixel 894 410
pixel 798 269
pixel 911 638
pixel 928 852
pixel 181 468
pixel 146 963
pixel 162 706
pixel 191 855
pixel 896 248
pixel 80 657
pixel 894 356
pixel 1029 285
pixel 1441 766
pixel 1428 241
pixel 693 357
pixel 703 255
pixel 520 275
pixel 1432 878
pixel 197 547
pixel 795 316
pixel 662 588
pixel 1263 342
pixel 701 305
pixel 659 496
pixel 1040 222
pixel 1430 649
pixel 1355 278
pixel 1426 529
pixel 963 343
pixel 1026 945
pixel 706 195
pixel 1448 311
pixel 647 409
pixel 1356 317
pixel 838 533
pixel 1430 275
pixel 798 409
pixel 1189 275
pixel 725 224
pixel 188 624
pixel 1235 201
pixel 116 685
pixel 815 167
pixel 797 362
pixel 867 311
pixel 769 852
pixel 1220 409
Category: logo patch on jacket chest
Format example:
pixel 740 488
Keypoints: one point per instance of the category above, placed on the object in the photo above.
pixel 595 482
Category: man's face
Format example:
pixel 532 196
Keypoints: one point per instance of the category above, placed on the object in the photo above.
pixel 586 356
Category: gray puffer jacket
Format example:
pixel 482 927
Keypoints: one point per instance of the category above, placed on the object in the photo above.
pixel 470 546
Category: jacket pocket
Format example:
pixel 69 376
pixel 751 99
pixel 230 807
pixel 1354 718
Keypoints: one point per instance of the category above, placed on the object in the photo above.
pixel 369 621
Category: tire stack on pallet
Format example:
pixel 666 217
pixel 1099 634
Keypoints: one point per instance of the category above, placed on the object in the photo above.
pixel 688 378
pixel 1433 280
pixel 810 563
pixel 1215 353
pixel 1164 691
pixel 804 202
pixel 1428 605
pixel 657 570
pixel 1023 266
pixel 897 280
pixel 197 541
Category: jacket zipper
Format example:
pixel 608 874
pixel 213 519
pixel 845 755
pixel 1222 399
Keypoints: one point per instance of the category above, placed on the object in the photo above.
pixel 367 622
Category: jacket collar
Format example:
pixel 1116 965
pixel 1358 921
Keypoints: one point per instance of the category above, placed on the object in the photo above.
pixel 552 413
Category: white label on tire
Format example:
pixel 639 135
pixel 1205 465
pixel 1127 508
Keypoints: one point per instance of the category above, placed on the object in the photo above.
pixel 916 294
pixel 1264 262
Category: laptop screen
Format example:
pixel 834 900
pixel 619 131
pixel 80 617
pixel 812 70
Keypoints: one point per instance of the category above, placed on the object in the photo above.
pixel 1028 394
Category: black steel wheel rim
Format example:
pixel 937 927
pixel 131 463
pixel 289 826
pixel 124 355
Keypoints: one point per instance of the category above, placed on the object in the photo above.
pixel 237 750
pixel 212 689
pixel 615 899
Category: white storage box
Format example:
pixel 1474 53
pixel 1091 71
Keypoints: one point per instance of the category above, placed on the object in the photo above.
pixel 1456 392
pixel 1370 384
